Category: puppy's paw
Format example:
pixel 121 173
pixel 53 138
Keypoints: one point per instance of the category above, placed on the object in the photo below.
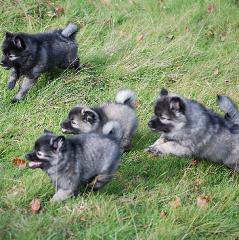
pixel 11 85
pixel 152 150
pixel 56 198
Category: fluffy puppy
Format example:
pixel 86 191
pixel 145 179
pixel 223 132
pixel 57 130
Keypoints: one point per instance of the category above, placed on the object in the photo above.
pixel 78 160
pixel 189 129
pixel 32 54
pixel 82 119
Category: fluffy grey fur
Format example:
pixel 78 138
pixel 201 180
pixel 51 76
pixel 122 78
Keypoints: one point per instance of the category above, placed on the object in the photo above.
pixel 231 112
pixel 78 160
pixel 190 129
pixel 31 54
pixel 82 119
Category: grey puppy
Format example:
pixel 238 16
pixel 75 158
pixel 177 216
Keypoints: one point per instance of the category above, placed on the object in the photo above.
pixel 78 160
pixel 82 119
pixel 190 129
pixel 31 54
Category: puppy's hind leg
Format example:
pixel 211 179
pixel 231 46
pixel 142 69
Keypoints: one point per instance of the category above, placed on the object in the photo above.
pixel 100 181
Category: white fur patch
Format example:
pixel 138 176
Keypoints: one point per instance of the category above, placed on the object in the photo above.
pixel 12 57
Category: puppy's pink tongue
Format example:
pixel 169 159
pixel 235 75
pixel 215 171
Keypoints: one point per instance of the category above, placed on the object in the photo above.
pixel 34 164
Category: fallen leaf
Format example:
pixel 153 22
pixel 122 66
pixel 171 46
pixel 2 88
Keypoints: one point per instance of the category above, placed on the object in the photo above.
pixel 18 162
pixel 216 71
pixel 35 205
pixel 176 202
pixel 194 162
pixel 140 37
pixel 163 214
pixel 59 10
pixel 203 201
pixel 211 8
pixel 187 29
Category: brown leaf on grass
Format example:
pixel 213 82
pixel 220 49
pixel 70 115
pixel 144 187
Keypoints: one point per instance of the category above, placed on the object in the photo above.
pixel 176 202
pixel 163 214
pixel 211 8
pixel 140 37
pixel 18 162
pixel 203 201
pixel 35 205
pixel 194 162
pixel 59 10
pixel 187 29
pixel 216 72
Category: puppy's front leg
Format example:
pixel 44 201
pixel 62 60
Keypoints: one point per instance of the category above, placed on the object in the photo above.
pixel 169 147
pixel 155 148
pixel 26 85
pixel 13 78
pixel 61 195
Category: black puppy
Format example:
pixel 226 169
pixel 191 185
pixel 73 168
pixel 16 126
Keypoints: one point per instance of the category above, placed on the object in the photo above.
pixel 32 54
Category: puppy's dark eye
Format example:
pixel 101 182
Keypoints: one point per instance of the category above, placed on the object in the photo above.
pixel 73 122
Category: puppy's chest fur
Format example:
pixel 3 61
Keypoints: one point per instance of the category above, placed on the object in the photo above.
pixel 65 176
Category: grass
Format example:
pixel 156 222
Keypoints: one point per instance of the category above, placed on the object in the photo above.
pixel 187 46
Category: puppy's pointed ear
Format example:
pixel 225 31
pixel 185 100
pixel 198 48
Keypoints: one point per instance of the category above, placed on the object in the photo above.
pixel 19 42
pixel 58 142
pixel 47 132
pixel 8 35
pixel 177 105
pixel 163 92
pixel 89 115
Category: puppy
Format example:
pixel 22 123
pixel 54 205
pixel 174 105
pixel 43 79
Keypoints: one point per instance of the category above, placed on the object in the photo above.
pixel 84 119
pixel 32 54
pixel 78 160
pixel 189 129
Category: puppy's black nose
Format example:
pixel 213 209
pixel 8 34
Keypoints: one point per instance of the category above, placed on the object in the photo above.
pixel 150 124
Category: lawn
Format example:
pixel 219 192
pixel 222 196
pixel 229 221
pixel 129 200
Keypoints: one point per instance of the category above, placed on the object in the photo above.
pixel 187 46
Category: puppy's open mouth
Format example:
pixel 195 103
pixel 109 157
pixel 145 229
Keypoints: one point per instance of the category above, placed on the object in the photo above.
pixel 66 130
pixel 34 164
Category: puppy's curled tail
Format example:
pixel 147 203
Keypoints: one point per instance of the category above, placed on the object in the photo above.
pixel 113 129
pixel 229 108
pixel 70 31
pixel 126 97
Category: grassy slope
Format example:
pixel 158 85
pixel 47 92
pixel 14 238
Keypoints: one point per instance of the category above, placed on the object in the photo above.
pixel 185 62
